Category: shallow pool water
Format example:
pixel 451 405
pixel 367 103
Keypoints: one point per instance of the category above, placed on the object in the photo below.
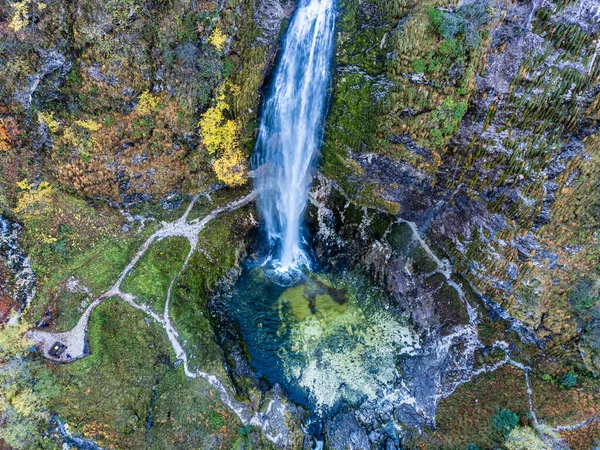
pixel 326 339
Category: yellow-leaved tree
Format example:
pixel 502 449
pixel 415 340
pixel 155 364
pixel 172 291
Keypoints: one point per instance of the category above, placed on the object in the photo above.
pixel 20 15
pixel 5 139
pixel 218 39
pixel 147 103
pixel 221 137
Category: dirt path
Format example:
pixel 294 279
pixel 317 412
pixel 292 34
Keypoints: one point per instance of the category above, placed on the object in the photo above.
pixel 271 419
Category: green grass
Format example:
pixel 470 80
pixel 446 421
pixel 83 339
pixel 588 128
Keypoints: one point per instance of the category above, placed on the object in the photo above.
pixel 189 303
pixel 107 395
pixel 98 268
pixel 154 272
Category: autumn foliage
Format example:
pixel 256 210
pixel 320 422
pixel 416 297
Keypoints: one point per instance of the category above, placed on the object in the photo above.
pixel 221 137
pixel 7 132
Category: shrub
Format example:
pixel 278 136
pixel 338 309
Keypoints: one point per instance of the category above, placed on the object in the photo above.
pixel 218 39
pixel 504 420
pixel 48 119
pixel 435 15
pixel 568 380
pixel 548 378
pixel 216 420
pixel 419 65
pixel 451 48
pixel 448 116
pixel 472 447
pixel 524 438
pixel 147 104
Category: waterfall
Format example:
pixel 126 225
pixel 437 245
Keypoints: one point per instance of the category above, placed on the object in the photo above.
pixel 291 130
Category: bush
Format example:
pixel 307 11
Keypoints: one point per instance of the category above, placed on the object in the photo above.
pixel 451 48
pixel 568 380
pixel 419 65
pixel 524 438
pixel 447 117
pixel 505 421
pixel 216 420
pixel 548 378
pixel 435 15
pixel 473 447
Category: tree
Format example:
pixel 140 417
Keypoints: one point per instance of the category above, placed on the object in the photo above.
pixel 505 420
pixel 568 380
pixel 20 15
pixel 5 136
pixel 217 131
pixel 220 135
pixel 231 167
pixel 147 104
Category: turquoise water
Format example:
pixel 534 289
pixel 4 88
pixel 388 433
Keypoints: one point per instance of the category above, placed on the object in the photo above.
pixel 327 341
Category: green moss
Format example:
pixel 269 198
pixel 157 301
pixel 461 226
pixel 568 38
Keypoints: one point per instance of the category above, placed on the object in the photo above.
pixel 353 121
pixel 153 273
pixel 361 41
pixel 219 243
pixel 400 238
pixel 352 124
pixel 107 396
pixel 422 262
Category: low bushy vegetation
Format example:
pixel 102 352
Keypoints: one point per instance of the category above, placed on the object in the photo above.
pixel 504 421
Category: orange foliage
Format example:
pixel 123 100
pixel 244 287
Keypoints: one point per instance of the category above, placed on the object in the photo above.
pixel 7 134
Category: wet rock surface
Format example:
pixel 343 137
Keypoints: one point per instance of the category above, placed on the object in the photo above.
pixel 18 284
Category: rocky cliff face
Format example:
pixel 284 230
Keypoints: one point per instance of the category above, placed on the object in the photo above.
pixel 107 99
pixel 477 121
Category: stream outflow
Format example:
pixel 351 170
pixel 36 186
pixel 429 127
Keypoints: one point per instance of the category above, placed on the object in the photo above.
pixel 290 133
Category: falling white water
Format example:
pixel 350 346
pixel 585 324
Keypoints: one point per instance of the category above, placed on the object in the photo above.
pixel 291 131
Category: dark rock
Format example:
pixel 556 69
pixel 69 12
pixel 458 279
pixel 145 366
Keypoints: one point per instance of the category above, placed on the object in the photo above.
pixel 343 432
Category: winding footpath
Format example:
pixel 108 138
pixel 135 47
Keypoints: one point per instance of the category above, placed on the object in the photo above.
pixel 272 415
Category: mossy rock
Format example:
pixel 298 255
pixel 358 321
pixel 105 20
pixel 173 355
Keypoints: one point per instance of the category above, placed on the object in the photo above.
pixel 401 238
pixel 422 262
